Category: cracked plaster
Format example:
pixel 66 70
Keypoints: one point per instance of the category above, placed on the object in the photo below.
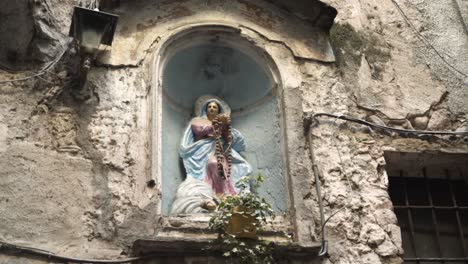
pixel 139 34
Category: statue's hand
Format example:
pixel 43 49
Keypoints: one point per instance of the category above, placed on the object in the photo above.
pixel 208 204
pixel 225 119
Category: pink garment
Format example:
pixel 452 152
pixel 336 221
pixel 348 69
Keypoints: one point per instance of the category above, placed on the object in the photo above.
pixel 221 186
pixel 201 129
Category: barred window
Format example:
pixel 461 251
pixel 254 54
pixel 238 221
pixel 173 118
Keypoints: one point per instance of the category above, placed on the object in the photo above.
pixel 430 197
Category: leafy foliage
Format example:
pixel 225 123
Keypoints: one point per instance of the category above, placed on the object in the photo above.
pixel 252 206
pixel 248 250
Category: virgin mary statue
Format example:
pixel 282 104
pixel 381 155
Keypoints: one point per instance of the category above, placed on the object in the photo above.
pixel 210 152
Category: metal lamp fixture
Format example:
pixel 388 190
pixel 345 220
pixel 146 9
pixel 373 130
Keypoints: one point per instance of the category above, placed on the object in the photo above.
pixel 92 28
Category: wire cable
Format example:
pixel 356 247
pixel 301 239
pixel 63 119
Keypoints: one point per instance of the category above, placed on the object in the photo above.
pixel 329 217
pixel 350 189
pixel 47 254
pixel 47 68
pixel 397 130
pixel 425 41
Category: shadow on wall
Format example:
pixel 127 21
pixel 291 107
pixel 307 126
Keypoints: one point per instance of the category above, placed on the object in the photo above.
pixel 14 48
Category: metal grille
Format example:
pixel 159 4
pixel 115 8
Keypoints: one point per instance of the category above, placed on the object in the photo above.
pixel 433 216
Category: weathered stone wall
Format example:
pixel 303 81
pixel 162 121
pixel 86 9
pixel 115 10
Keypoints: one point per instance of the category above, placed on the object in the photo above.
pixel 384 73
pixel 73 174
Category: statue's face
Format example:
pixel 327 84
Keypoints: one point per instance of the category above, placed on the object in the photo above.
pixel 212 109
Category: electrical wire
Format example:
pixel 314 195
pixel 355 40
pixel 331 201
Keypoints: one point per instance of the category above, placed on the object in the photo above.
pixel 425 41
pixel 89 4
pixel 47 254
pixel 397 130
pixel 47 68
pixel 324 247
pixel 329 217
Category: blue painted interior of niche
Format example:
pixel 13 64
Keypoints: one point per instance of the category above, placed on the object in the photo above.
pixel 173 125
pixel 240 81
pixel 261 129
pixel 211 69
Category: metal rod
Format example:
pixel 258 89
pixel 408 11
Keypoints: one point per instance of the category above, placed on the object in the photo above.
pixel 457 213
pixel 433 212
pixel 410 216
pixel 324 243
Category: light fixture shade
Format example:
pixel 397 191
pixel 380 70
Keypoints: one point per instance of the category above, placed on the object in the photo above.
pixel 92 28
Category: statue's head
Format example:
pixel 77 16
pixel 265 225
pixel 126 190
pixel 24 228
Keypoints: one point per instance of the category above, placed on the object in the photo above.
pixel 204 102
pixel 212 110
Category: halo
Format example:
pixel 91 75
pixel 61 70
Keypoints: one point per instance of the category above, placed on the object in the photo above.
pixel 200 102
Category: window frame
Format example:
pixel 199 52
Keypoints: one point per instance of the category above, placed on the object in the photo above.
pixel 409 207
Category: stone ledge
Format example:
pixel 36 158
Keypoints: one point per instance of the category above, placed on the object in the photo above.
pixel 196 227
pixel 200 222
pixel 180 247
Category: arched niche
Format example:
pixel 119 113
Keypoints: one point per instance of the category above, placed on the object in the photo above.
pixel 217 60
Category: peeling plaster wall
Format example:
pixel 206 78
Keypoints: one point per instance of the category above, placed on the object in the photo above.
pixel 73 178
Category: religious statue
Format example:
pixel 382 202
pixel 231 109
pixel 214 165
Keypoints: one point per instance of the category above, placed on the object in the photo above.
pixel 210 152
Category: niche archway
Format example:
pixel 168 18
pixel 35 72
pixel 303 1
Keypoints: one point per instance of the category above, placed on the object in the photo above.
pixel 217 60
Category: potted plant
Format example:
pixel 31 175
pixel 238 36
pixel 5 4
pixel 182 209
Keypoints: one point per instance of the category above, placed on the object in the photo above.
pixel 237 220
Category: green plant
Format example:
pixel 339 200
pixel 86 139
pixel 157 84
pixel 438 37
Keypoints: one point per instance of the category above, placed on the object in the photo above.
pixel 256 211
pixel 248 250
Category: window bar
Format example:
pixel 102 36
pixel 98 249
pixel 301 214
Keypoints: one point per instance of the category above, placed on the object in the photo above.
pixel 457 213
pixel 433 211
pixel 410 216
